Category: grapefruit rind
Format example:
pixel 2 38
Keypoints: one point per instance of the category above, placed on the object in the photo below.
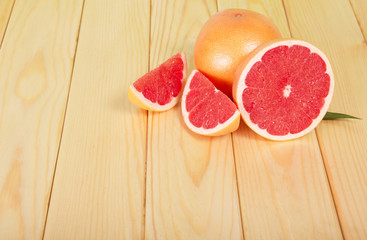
pixel 141 101
pixel 239 86
pixel 227 38
pixel 228 126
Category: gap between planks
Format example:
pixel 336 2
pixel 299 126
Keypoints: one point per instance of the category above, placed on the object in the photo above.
pixel 7 24
pixel 63 122
pixel 147 128
pixel 238 187
pixel 358 22
pixel 331 189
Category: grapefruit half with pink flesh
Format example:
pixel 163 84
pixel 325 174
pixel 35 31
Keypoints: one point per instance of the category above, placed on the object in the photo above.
pixel 283 88
pixel 205 109
pixel 161 88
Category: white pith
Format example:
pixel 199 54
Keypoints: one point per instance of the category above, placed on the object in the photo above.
pixel 242 85
pixel 185 114
pixel 287 91
pixel 174 100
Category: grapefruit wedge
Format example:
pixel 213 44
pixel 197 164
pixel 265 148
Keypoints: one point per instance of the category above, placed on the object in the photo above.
pixel 160 89
pixel 283 88
pixel 205 109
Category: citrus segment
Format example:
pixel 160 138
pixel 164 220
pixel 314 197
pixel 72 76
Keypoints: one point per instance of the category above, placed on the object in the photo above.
pixel 205 109
pixel 225 39
pixel 284 88
pixel 159 89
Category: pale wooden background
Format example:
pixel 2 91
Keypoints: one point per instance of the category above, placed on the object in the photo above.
pixel 78 161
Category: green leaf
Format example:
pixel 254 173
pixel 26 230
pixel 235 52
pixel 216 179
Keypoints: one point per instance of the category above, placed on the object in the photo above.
pixel 332 115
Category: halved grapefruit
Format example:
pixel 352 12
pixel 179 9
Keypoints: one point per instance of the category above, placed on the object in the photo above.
pixel 283 88
pixel 205 109
pixel 160 89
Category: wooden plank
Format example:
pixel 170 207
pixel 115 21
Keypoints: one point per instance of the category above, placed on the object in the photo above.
pixel 360 11
pixel 191 184
pixel 36 62
pixel 232 4
pixel 332 26
pixel 6 7
pixel 284 191
pixel 99 184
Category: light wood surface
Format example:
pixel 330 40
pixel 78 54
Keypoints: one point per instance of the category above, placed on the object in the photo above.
pixel 99 186
pixel 35 69
pixel 79 161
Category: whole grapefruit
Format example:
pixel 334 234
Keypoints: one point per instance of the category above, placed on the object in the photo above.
pixel 226 39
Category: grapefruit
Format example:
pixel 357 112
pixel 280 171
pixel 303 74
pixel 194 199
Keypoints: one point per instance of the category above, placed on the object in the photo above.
pixel 283 88
pixel 160 89
pixel 205 109
pixel 226 39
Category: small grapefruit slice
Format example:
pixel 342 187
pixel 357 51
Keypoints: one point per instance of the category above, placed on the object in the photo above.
pixel 160 89
pixel 283 88
pixel 205 109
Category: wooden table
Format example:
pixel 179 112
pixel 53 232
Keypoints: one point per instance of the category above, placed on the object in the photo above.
pixel 79 161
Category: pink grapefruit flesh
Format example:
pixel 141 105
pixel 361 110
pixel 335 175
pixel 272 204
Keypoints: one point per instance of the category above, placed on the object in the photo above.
pixel 284 88
pixel 205 109
pixel 160 89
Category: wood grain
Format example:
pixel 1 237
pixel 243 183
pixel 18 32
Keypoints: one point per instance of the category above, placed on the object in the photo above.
pixel 191 184
pixel 6 7
pixel 99 184
pixel 337 33
pixel 222 5
pixel 35 68
pixel 283 187
pixel 360 10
